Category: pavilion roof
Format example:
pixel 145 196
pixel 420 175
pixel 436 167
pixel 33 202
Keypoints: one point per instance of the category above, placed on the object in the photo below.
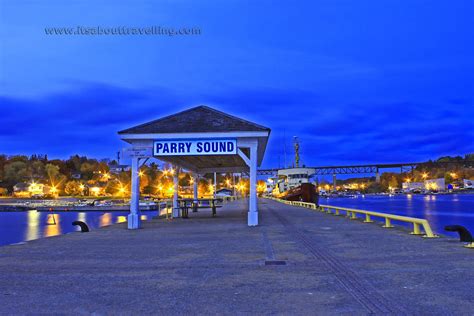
pixel 200 119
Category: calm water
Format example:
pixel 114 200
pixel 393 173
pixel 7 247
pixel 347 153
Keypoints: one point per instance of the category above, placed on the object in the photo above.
pixel 439 210
pixel 23 226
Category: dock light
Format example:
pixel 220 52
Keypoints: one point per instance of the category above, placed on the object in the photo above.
pixel 453 175
pixel 227 182
pixel 81 187
pixel 54 190
pixel 191 181
pixel 171 171
pixel 424 175
pixel 408 180
pixel 140 173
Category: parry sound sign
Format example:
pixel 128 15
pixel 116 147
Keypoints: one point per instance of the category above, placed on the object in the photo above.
pixel 195 147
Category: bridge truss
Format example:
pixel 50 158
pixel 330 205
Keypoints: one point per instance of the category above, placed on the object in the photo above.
pixel 375 168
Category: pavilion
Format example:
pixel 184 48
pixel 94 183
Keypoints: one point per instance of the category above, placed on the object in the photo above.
pixel 201 140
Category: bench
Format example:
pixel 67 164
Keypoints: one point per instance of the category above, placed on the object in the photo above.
pixel 185 206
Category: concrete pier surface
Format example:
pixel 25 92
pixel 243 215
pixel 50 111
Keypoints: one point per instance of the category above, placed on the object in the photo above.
pixel 205 265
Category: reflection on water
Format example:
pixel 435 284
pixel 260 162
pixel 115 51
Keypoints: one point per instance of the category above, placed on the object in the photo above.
pixel 82 216
pixel 23 226
pixel 33 224
pixel 121 219
pixel 106 219
pixel 439 210
pixel 53 226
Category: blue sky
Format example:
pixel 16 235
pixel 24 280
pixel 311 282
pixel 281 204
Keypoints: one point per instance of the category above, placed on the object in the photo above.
pixel 357 81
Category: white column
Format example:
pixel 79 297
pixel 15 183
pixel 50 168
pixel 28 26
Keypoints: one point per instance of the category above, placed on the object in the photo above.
pixel 252 219
pixel 195 187
pixel 175 194
pixel 215 184
pixel 233 184
pixel 134 216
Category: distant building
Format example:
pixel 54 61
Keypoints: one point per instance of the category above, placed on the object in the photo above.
pixel 224 192
pixel 468 184
pixel 32 189
pixel 435 184
pixel 412 186
pixel 118 168
pixel 21 190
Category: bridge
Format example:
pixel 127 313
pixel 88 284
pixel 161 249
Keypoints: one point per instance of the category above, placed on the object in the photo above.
pixel 375 168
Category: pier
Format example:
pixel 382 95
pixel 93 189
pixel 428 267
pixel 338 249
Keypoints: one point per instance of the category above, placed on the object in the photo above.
pixel 297 261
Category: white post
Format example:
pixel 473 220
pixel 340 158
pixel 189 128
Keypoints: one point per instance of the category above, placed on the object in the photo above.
pixel 134 216
pixel 215 184
pixel 175 194
pixel 233 184
pixel 252 219
pixel 195 187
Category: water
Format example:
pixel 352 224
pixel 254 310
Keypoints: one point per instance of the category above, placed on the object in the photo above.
pixel 17 227
pixel 439 210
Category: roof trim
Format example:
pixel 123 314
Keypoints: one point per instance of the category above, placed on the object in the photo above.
pixel 241 134
pixel 130 130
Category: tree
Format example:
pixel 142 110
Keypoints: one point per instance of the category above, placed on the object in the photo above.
pixel 55 177
pixel 393 183
pixel 72 188
pixel 87 170
pixel 16 171
pixel 52 171
pixel 38 169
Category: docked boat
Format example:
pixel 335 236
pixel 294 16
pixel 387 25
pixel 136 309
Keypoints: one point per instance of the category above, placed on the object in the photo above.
pixel 294 184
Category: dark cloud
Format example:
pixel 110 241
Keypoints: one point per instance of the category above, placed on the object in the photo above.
pixel 86 120
pixel 82 121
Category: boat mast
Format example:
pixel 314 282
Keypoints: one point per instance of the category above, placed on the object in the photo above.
pixel 296 143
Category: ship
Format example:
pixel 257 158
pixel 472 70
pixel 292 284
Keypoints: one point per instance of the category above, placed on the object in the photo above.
pixel 294 184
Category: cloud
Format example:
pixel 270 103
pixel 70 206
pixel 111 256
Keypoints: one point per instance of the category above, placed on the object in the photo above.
pixel 85 121
pixel 355 132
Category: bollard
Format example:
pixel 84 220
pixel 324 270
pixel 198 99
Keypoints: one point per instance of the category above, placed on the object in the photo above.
pixel 368 219
pixel 84 227
pixel 388 223
pixel 416 229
